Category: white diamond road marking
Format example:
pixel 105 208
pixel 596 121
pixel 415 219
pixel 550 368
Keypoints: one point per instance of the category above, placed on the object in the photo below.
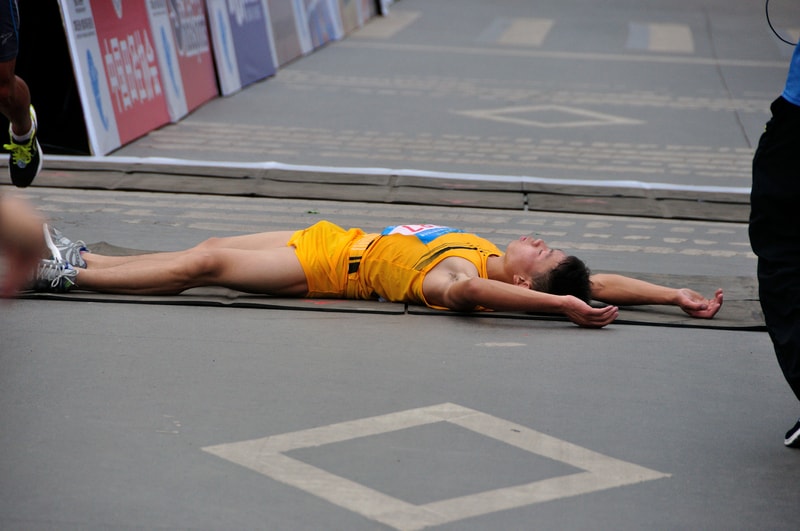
pixel 267 456
pixel 572 117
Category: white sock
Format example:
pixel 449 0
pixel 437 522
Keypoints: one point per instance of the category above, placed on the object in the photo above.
pixel 21 139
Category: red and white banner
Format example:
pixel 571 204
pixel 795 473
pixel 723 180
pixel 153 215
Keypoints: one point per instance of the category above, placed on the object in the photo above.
pixel 140 64
pixel 90 76
pixel 116 69
pixel 132 69
pixel 180 31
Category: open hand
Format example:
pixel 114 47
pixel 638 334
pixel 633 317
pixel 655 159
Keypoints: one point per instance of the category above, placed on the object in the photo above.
pixel 698 306
pixel 587 316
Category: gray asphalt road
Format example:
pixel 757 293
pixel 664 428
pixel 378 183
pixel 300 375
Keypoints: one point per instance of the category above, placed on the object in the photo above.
pixel 182 417
pixel 144 416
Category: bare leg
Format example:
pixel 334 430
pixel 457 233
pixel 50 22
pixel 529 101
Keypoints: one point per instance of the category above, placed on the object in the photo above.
pixel 249 242
pixel 15 98
pixel 274 271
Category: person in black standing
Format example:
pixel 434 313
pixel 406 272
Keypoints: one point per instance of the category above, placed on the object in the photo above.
pixel 775 230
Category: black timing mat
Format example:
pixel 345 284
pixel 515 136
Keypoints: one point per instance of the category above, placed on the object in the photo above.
pixel 740 311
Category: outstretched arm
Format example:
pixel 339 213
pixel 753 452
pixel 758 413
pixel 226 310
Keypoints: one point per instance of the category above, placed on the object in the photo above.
pixel 626 291
pixel 467 293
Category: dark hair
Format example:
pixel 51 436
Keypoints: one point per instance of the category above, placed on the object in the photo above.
pixel 569 277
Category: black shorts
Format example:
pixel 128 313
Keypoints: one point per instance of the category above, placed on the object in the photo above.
pixel 9 30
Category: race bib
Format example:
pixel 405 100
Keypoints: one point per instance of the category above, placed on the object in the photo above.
pixel 426 233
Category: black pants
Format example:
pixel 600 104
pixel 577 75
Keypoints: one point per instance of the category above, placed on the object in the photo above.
pixel 775 233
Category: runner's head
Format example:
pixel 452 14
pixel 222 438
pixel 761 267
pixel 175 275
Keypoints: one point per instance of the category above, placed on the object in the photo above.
pixel 569 277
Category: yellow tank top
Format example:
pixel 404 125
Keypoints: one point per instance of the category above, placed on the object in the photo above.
pixel 395 264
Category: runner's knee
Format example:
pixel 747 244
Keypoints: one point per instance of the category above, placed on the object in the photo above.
pixel 196 266
pixel 210 243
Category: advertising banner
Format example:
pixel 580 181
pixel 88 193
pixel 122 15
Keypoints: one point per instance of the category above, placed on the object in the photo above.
pixel 289 29
pixel 140 64
pixel 367 9
pixel 324 21
pixel 90 76
pixel 383 5
pixel 131 66
pixel 243 45
pixel 180 32
pixel 355 13
pixel 351 19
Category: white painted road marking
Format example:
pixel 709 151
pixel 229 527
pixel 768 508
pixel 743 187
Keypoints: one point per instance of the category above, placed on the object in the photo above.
pixel 500 344
pixel 547 116
pixel 387 26
pixel 478 51
pixel 522 31
pixel 267 456
pixel 672 38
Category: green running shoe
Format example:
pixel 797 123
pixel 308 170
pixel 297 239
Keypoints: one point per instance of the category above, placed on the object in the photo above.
pixel 26 159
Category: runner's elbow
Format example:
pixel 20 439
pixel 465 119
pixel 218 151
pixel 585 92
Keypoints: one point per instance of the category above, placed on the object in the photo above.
pixel 463 295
